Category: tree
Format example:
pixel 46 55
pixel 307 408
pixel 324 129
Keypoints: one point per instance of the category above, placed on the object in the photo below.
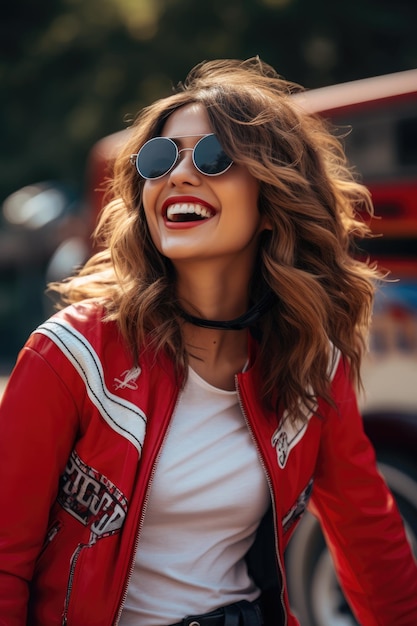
pixel 73 71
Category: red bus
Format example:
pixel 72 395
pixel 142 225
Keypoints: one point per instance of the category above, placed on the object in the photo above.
pixel 379 117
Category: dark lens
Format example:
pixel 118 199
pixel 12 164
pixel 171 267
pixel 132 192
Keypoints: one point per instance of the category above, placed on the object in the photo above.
pixel 156 157
pixel 209 156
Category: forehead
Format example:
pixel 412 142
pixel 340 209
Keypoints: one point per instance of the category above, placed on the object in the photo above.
pixel 191 119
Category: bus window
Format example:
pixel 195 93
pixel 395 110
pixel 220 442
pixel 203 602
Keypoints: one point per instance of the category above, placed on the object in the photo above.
pixel 382 143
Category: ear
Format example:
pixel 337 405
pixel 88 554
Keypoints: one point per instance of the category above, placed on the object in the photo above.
pixel 265 224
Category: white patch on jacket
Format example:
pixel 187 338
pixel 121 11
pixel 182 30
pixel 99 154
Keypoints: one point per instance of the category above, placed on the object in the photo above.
pixel 289 433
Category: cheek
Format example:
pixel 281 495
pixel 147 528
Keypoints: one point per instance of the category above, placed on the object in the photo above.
pixel 243 196
pixel 149 198
pixel 244 185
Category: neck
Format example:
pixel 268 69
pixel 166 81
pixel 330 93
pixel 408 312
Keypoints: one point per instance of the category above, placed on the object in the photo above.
pixel 210 292
pixel 216 355
pixel 215 294
pixel 246 320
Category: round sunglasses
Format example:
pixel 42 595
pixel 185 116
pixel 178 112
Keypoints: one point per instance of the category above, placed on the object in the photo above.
pixel 159 155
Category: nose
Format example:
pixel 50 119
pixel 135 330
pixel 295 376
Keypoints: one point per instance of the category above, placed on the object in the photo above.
pixel 184 170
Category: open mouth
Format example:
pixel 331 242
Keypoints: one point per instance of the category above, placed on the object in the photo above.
pixel 188 212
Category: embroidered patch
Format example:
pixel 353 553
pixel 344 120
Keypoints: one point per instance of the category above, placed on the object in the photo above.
pixel 128 379
pixel 91 498
pixel 286 437
pixel 296 511
pixel 289 433
pixel 281 445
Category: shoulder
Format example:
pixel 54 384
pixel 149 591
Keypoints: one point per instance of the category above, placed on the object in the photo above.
pixel 82 325
pixel 84 315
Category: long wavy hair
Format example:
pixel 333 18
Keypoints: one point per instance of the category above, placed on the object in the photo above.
pixel 312 201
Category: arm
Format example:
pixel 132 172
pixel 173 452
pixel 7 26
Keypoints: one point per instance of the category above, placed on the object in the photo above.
pixel 38 424
pixel 360 520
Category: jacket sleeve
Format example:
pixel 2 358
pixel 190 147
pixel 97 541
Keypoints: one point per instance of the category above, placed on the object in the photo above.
pixel 359 517
pixel 38 423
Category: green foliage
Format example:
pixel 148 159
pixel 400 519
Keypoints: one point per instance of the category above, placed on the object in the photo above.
pixel 72 71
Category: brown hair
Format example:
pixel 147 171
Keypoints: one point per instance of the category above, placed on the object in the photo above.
pixel 311 200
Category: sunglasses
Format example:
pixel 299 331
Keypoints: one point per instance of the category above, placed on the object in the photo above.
pixel 159 155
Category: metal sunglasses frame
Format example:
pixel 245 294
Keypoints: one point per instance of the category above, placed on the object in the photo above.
pixel 134 157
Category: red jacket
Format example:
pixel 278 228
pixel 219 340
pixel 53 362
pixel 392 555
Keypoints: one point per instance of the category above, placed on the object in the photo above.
pixel 81 429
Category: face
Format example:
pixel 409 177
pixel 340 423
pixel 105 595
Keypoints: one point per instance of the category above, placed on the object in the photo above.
pixel 194 217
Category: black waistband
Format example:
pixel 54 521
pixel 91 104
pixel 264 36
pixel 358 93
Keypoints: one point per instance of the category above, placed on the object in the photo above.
pixel 241 613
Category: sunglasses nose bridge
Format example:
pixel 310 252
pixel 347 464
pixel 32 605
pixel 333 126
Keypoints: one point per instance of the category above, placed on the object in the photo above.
pixel 178 160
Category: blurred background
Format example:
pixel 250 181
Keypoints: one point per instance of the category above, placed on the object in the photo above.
pixel 73 71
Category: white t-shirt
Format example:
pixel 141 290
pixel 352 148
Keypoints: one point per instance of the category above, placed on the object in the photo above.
pixel 206 500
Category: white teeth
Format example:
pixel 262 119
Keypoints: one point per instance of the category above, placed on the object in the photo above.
pixel 197 209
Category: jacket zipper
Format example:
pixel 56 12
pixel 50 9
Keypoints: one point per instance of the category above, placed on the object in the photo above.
pixel 142 518
pixel 74 560
pixel 268 478
pixel 52 533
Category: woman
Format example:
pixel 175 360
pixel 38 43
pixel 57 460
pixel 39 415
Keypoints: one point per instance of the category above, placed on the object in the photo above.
pixel 163 433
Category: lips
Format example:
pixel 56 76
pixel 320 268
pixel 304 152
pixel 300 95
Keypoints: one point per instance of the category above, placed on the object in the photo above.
pixel 186 209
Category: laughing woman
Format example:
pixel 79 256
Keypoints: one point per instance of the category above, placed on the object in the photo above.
pixel 162 434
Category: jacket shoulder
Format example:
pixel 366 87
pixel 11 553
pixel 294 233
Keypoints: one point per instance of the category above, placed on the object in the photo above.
pixel 84 315
pixel 79 334
pixel 84 320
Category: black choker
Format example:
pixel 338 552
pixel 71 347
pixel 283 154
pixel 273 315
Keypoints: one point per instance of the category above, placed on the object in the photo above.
pixel 239 323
